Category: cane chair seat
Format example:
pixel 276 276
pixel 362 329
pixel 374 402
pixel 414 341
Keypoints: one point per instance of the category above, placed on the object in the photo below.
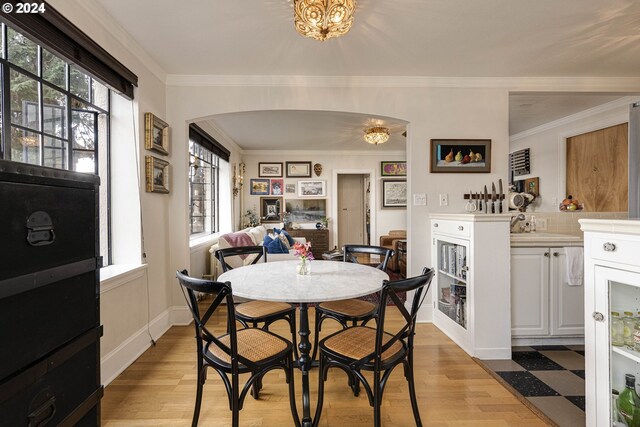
pixel 255 345
pixel 360 341
pixel 258 309
pixel 349 307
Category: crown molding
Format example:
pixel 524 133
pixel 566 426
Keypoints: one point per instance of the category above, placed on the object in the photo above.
pixel 274 151
pixel 600 109
pixel 111 26
pixel 210 127
pixel 574 84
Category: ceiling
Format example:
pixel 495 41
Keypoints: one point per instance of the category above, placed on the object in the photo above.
pixel 308 130
pixel 437 38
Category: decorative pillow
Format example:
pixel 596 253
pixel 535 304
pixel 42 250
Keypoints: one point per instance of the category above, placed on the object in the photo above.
pixel 285 242
pixel 257 233
pixel 274 246
pixel 234 240
pixel 287 235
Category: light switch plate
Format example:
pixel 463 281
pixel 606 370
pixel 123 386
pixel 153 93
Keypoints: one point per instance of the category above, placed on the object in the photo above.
pixel 444 199
pixel 541 224
pixel 419 199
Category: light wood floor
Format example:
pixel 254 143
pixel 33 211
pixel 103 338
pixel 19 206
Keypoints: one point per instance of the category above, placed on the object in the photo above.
pixel 159 390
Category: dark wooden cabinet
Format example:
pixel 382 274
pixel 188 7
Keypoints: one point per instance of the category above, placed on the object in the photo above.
pixel 319 239
pixel 402 257
pixel 49 299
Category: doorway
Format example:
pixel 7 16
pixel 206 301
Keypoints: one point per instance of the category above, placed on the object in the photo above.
pixel 352 203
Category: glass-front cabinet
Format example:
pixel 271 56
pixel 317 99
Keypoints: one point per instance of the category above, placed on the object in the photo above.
pixel 612 327
pixel 470 294
pixel 452 279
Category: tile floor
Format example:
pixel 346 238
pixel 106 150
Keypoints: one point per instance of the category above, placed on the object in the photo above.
pixel 550 377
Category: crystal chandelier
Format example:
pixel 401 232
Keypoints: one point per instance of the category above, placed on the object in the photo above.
pixel 323 19
pixel 376 135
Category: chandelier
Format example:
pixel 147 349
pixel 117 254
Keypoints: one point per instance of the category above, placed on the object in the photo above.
pixel 323 19
pixel 376 135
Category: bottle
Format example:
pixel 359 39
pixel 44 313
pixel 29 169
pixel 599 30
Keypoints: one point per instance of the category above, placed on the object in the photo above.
pixel 533 224
pixel 617 329
pixel 616 417
pixel 636 335
pixel 629 402
pixel 629 323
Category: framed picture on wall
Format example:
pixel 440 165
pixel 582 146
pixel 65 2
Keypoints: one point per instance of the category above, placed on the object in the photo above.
pixel 290 188
pixel 298 169
pixel 312 188
pixel 461 155
pixel 270 170
pixel 259 187
pixel 157 175
pixel 394 193
pixel 393 168
pixel 277 187
pixel 156 134
pixel 271 209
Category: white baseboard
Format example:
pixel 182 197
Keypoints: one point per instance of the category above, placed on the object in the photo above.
pixel 493 353
pixel 121 357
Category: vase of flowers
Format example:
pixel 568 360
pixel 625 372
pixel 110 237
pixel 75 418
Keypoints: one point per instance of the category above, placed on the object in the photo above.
pixel 303 252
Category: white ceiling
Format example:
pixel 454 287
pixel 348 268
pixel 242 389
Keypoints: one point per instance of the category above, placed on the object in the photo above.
pixel 437 38
pixel 494 38
pixel 308 130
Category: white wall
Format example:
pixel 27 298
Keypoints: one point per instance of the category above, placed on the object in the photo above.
pixel 547 144
pixel 385 219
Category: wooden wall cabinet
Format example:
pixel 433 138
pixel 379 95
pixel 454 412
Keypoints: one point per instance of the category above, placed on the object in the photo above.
pixel 319 239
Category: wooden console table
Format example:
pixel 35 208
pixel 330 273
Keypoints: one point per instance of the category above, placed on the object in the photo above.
pixel 319 239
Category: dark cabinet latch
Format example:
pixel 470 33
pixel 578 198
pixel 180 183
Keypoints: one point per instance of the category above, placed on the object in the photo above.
pixel 40 229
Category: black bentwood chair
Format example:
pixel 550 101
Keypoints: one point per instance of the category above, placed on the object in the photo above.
pixel 350 310
pixel 238 352
pixel 360 348
pixel 255 312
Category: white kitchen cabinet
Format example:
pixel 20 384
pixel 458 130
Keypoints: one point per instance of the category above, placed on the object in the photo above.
pixel 542 302
pixel 612 283
pixel 471 302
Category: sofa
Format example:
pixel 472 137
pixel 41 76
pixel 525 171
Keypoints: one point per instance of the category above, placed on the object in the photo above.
pixel 390 241
pixel 252 236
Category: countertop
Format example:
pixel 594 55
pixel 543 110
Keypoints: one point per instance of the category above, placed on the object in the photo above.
pixel 543 239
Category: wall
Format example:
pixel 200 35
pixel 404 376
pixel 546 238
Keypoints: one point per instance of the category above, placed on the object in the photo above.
pixel 385 219
pixel 548 149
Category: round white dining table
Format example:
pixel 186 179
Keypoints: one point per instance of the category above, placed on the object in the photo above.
pixel 328 281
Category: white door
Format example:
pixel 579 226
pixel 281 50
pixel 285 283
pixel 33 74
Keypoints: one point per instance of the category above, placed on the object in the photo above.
pixel 351 213
pixel 529 292
pixel 567 302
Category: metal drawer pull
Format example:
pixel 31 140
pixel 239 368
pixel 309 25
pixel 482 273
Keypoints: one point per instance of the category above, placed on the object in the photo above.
pixel 556 254
pixel 546 254
pixel 435 225
pixel 460 228
pixel 598 317
pixel 609 247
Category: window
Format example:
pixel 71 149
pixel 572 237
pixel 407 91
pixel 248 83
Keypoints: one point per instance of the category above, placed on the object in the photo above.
pixel 203 185
pixel 208 162
pixel 54 114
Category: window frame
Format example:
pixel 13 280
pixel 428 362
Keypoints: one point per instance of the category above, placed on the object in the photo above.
pixel 214 205
pixel 6 67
